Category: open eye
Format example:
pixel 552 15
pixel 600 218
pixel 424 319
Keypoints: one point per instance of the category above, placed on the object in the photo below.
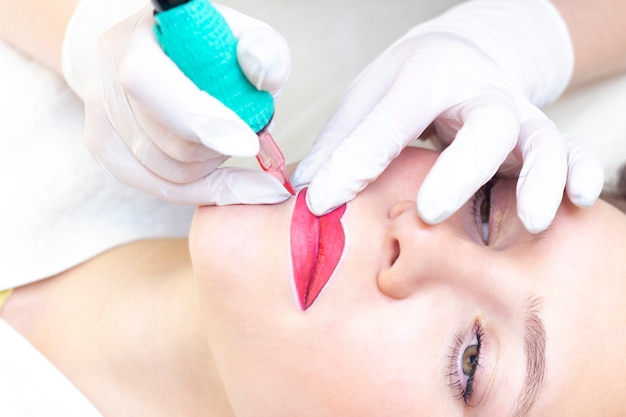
pixel 464 364
pixel 470 360
pixel 482 210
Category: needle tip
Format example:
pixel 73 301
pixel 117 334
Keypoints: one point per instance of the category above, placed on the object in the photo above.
pixel 272 160
pixel 288 186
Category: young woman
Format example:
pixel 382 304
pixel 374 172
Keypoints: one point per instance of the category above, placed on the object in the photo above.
pixel 391 317
pixel 474 316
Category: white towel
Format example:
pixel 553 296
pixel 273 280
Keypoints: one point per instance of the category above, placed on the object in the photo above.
pixel 58 207
pixel 30 386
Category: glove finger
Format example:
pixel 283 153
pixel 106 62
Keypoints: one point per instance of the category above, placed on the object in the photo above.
pixel 226 186
pixel 263 54
pixel 362 96
pixel 265 59
pixel 150 78
pixel 585 174
pixel 167 168
pixel 396 120
pixel 125 126
pixel 173 145
pixel 544 171
pixel 221 187
pixel 488 133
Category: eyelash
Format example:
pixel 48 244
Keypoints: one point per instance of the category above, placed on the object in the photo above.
pixel 481 206
pixel 466 389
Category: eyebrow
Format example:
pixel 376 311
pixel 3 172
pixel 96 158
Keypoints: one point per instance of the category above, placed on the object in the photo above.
pixel 535 352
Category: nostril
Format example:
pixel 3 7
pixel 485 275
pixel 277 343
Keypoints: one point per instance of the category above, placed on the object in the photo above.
pixel 395 252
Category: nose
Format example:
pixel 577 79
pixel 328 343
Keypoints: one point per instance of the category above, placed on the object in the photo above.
pixel 418 254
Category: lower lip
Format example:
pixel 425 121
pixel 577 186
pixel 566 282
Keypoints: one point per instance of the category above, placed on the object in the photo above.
pixel 317 244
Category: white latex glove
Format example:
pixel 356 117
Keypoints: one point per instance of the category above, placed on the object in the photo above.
pixel 478 72
pixel 149 125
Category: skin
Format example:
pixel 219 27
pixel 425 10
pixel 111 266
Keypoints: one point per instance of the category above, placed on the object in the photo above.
pixel 598 36
pixel 152 328
pixel 36 28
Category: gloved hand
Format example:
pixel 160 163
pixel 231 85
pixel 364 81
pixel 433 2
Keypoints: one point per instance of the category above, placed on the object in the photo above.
pixel 479 72
pixel 149 125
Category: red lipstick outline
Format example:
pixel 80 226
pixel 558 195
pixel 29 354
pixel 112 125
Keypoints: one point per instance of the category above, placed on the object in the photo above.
pixel 316 253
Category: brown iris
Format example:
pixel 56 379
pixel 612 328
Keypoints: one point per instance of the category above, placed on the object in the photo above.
pixel 470 360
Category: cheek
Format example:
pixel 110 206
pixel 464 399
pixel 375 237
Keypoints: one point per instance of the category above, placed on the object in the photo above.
pixel 202 236
pixel 392 359
pixel 243 285
pixel 241 252
pixel 362 363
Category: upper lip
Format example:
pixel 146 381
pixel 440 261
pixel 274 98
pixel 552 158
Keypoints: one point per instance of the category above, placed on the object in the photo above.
pixel 316 246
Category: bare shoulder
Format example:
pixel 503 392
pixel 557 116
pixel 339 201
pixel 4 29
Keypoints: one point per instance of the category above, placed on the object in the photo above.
pixel 105 319
pixel 31 306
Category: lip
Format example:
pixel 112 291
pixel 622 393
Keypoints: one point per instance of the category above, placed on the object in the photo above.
pixel 317 244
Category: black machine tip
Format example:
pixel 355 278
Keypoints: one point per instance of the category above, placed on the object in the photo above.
pixel 162 5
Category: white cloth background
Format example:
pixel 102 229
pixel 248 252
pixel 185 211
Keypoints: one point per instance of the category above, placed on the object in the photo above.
pixel 30 386
pixel 58 207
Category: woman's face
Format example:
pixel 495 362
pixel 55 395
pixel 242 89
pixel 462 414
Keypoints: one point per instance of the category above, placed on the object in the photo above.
pixel 473 316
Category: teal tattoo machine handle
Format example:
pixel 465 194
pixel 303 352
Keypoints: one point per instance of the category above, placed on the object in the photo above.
pixel 198 39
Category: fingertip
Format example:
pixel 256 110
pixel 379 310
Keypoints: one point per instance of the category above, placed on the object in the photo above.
pixel 265 58
pixel 439 197
pixel 430 211
pixel 271 196
pixel 229 138
pixel 534 223
pixel 242 186
pixel 586 192
pixel 585 178
pixel 317 206
pixel 321 202
pixel 537 207
pixel 537 210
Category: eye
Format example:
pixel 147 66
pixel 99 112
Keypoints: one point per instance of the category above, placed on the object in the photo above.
pixel 464 362
pixel 482 210
pixel 470 360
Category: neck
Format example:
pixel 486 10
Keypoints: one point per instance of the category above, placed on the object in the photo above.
pixel 139 331
pixel 171 356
